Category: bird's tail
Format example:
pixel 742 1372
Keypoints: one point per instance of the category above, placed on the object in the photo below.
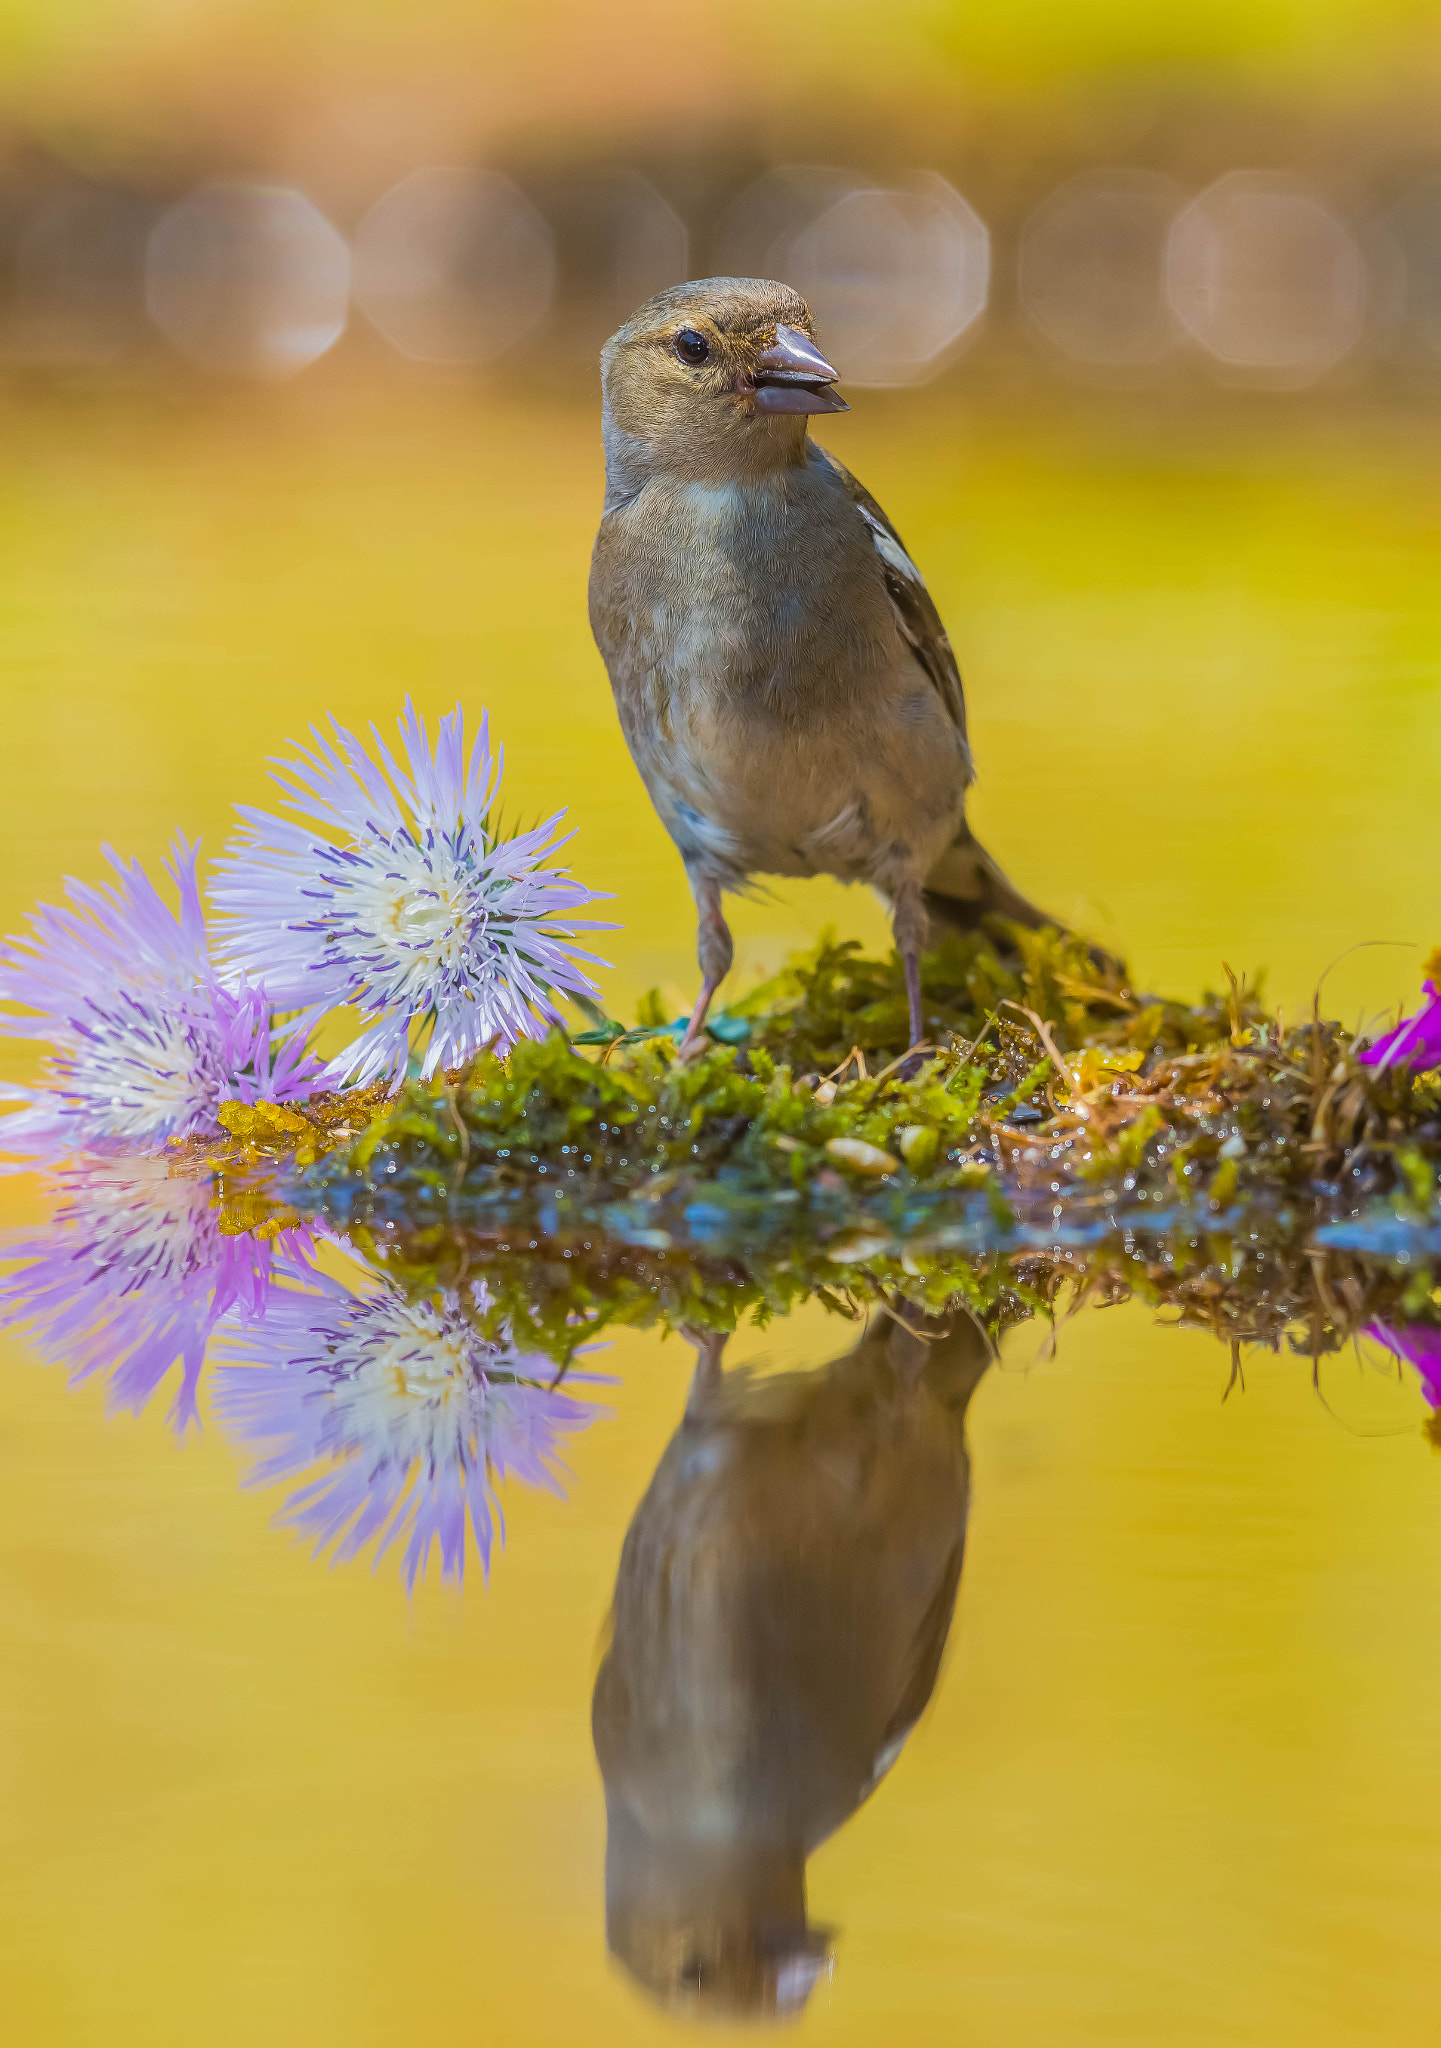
pixel 966 886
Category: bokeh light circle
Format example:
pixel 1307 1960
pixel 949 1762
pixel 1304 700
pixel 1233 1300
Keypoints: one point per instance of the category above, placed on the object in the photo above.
pixel 248 278
pixel 1091 262
pixel 79 275
pixel 894 278
pixel 454 265
pixel 1265 277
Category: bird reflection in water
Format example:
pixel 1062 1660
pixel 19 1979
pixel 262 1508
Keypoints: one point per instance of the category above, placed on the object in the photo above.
pixel 784 1596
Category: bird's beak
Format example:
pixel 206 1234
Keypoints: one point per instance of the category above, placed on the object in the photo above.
pixel 792 375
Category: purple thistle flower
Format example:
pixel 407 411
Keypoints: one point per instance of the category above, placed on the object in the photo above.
pixel 131 1276
pixel 1420 1346
pixel 1415 1042
pixel 416 1411
pixel 145 1041
pixel 400 898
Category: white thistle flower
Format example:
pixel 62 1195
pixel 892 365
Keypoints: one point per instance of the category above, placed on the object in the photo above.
pixel 145 1041
pixel 394 894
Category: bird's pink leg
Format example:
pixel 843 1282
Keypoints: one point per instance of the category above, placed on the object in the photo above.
pixel 913 994
pixel 715 951
pixel 709 1372
pixel 696 1026
pixel 911 926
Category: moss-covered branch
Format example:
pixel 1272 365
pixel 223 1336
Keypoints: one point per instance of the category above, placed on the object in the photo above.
pixel 1208 1157
pixel 1037 1081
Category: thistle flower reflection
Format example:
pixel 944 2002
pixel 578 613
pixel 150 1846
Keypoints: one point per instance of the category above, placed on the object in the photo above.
pixel 1419 1345
pixel 417 1408
pixel 132 1275
pixel 146 1042
pixel 400 897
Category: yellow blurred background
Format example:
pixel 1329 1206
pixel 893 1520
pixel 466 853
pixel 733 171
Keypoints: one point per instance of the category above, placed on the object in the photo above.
pixel 1150 389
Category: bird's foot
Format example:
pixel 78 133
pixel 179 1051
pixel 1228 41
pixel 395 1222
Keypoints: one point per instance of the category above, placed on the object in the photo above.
pixel 695 1041
pixel 692 1046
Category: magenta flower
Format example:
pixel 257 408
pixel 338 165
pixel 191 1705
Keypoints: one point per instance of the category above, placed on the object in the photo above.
pixel 1420 1346
pixel 1416 1041
pixel 131 1276
pixel 145 1042
pixel 413 1409
pixel 396 894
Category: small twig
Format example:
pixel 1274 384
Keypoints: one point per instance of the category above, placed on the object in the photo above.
pixel 1318 1053
pixel 1089 993
pixel 1043 1032
pixel 838 1307
pixel 1048 1346
pixel 1317 1256
pixel 911 1052
pixel 463 1164
pixel 462 1244
pixel 894 1305
pixel 1238 996
pixel 855 1054
pixel 1238 1377
pixel 965 1054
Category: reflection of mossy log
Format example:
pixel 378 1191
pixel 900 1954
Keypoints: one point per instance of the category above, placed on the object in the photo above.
pixel 1254 1280
pixel 1255 1274
pixel 1057 1117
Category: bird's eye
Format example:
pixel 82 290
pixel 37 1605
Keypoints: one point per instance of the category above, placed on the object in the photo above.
pixel 691 347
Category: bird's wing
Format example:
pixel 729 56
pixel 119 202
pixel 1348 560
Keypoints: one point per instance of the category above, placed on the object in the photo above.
pixel 919 1679
pixel 915 610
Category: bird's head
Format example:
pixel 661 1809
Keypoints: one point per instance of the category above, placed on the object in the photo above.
pixel 712 1921
pixel 726 1972
pixel 712 381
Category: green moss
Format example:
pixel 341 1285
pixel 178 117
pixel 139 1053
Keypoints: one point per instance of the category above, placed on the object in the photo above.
pixel 1049 1094
pixel 1258 1280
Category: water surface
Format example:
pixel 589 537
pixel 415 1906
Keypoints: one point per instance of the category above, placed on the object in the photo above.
pixel 1179 1776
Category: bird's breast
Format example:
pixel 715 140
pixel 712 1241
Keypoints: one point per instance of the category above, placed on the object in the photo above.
pixel 758 591
pixel 777 716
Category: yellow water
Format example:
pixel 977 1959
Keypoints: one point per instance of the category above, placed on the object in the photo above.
pixel 1180 1780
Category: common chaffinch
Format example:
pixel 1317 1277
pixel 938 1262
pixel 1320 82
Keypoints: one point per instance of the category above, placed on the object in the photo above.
pixel 785 684
pixel 783 1600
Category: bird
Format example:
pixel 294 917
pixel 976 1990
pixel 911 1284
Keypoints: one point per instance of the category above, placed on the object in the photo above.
pixel 783 679
pixel 782 1603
